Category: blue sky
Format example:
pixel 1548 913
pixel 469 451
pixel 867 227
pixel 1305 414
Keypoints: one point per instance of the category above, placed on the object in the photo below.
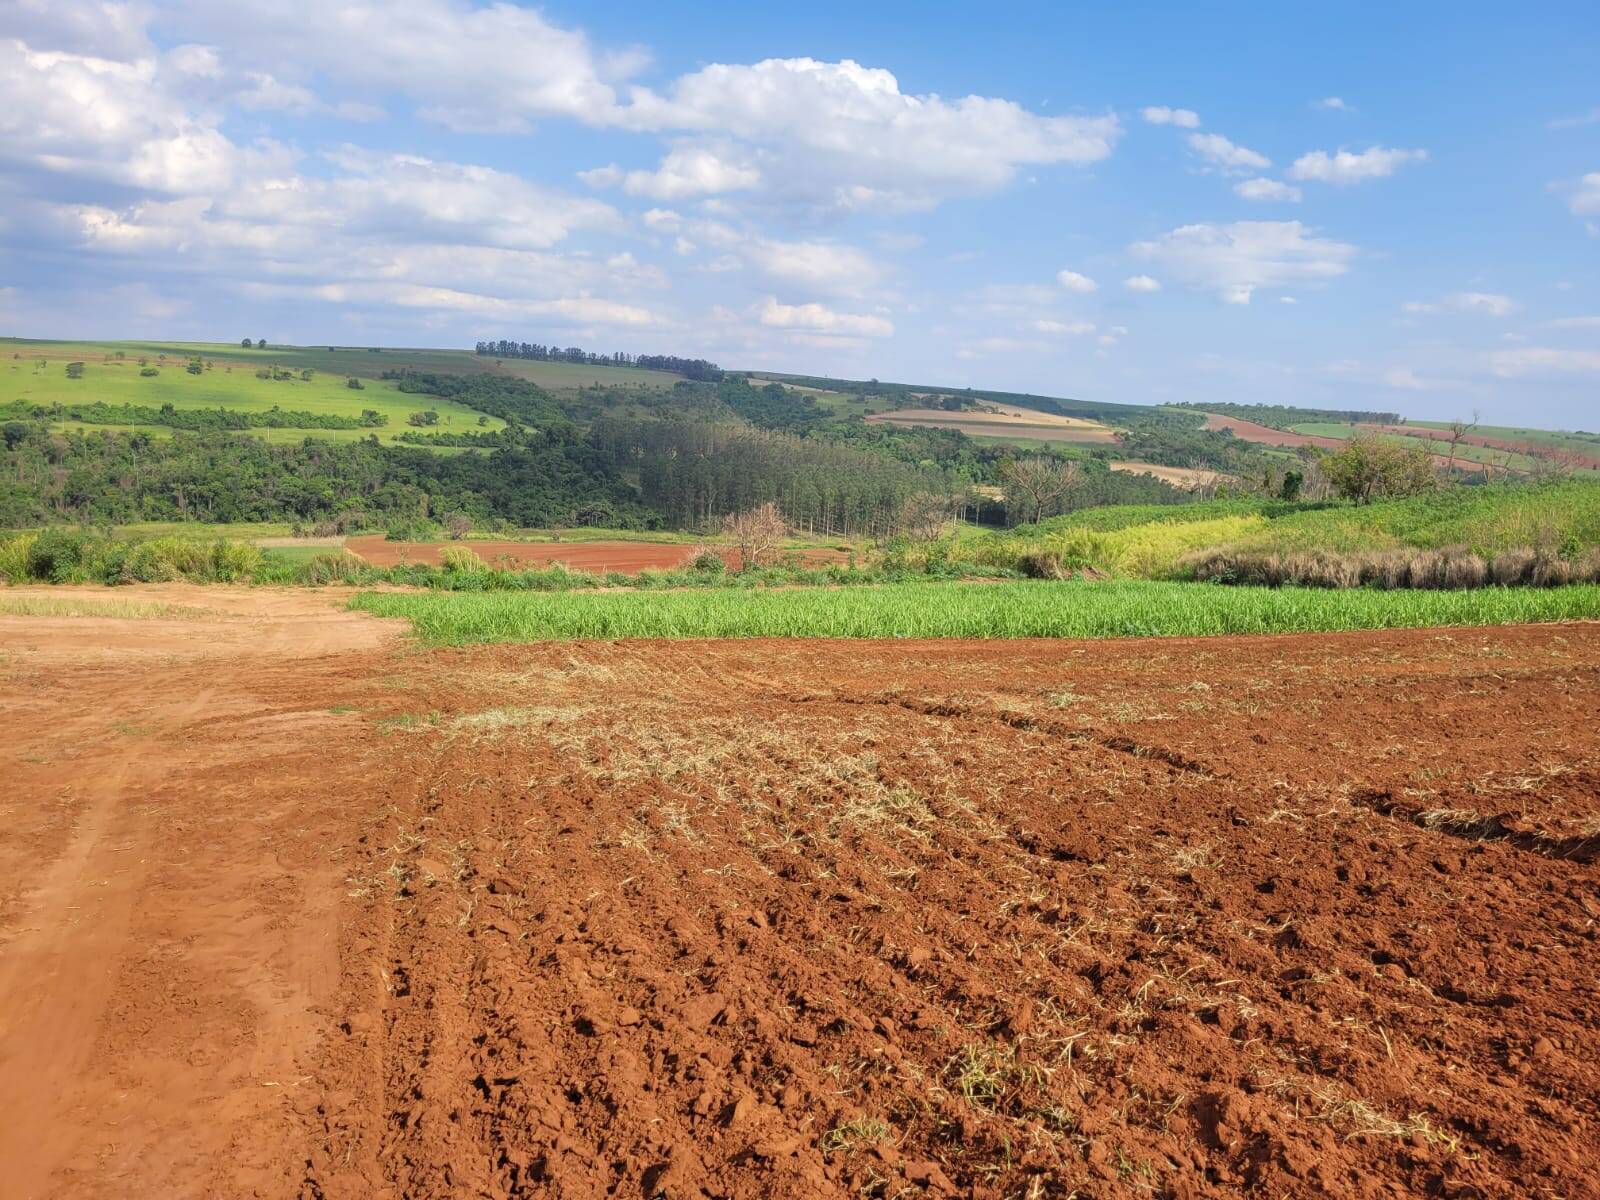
pixel 1370 206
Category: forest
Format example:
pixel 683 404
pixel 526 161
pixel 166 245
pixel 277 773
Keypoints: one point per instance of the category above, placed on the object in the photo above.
pixel 689 368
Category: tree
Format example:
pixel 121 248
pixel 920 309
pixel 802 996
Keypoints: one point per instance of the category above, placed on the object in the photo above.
pixel 246 343
pixel 74 370
pixel 427 417
pixel 924 515
pixel 757 532
pixel 1371 468
pixel 261 344
pixel 1458 431
pixel 354 383
pixel 1035 483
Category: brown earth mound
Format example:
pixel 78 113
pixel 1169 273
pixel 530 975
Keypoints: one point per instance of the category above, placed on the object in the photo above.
pixel 627 558
pixel 1302 916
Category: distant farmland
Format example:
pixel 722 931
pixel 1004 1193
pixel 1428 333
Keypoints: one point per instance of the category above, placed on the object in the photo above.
pixel 1003 421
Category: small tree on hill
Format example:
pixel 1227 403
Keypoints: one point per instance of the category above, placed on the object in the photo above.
pixel 246 343
pixel 74 370
pixel 1372 468
pixel 261 344
pixel 1034 484
pixel 757 533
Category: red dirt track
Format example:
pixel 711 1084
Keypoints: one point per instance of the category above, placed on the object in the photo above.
pixel 1265 435
pixel 627 558
pixel 291 907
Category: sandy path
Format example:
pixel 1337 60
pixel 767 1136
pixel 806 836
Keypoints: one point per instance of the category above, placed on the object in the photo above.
pixel 166 920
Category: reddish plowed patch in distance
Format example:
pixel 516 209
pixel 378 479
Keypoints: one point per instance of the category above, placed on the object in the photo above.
pixel 627 558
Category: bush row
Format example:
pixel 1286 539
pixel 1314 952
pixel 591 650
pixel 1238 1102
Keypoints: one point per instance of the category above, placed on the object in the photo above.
pixel 70 556
pixel 1454 568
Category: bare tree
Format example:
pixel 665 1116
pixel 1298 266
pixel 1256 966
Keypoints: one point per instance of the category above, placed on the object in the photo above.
pixel 757 533
pixel 924 515
pixel 1458 432
pixel 1033 484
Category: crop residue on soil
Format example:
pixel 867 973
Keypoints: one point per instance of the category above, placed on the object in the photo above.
pixel 1305 916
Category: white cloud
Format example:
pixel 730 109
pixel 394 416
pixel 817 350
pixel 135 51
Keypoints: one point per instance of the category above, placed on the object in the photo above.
pixel 1406 379
pixel 1543 360
pixel 1141 283
pixel 1333 103
pixel 849 138
pixel 1235 260
pixel 1266 189
pixel 1074 282
pixel 1585 198
pixel 1592 117
pixel 1345 167
pixel 1491 304
pixel 686 171
pixel 816 318
pixel 817 266
pixel 1219 150
pixel 1575 323
pixel 496 67
pixel 1070 328
pixel 1160 114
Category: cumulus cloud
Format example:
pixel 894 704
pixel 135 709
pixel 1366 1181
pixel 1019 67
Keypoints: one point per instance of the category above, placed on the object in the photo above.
pixel 1544 360
pixel 1160 114
pixel 1216 149
pixel 1346 167
pixel 817 318
pixel 1238 259
pixel 686 171
pixel 1069 328
pixel 851 139
pixel 1333 103
pixel 1585 198
pixel 1072 281
pixel 1267 189
pixel 1141 283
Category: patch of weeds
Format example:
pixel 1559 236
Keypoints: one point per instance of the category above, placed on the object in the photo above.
pixel 408 722
pixel 1064 699
pixel 852 1135
pixel 985 1074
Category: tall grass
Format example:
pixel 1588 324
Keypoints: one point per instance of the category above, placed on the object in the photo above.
pixel 916 610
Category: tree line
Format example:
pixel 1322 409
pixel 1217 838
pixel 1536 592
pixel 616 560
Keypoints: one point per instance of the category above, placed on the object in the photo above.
pixel 689 368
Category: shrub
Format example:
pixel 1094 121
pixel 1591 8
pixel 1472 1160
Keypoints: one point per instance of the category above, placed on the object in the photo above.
pixel 460 558
pixel 333 568
pixel 57 555
pixel 232 561
pixel 707 560
pixel 14 557
pixel 149 372
pixel 1042 564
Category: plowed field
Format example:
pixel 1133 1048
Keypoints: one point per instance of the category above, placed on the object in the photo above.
pixel 289 907
pixel 627 558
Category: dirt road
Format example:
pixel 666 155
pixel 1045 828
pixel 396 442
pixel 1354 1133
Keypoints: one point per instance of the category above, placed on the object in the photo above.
pixel 293 908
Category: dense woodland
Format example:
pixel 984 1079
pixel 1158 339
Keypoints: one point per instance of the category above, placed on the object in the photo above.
pixel 675 457
pixel 689 368
pixel 1282 416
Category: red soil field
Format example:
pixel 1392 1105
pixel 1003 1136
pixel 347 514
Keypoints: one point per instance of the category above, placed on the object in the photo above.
pixel 291 907
pixel 627 558
pixel 1264 435
pixel 1478 439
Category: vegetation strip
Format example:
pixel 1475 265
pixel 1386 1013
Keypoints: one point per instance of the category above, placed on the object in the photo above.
pixel 931 610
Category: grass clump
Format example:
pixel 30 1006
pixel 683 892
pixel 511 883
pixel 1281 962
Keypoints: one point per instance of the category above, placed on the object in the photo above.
pixel 1011 610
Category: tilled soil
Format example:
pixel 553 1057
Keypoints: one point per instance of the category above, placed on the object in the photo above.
pixel 1296 916
pixel 626 558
